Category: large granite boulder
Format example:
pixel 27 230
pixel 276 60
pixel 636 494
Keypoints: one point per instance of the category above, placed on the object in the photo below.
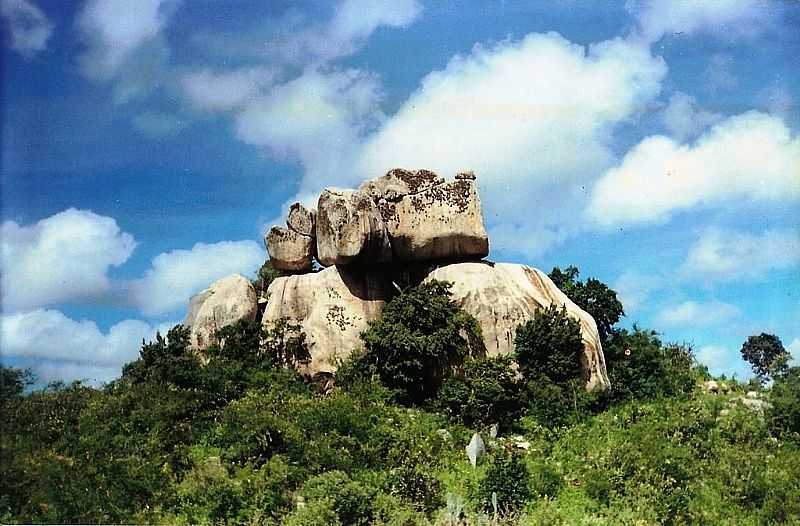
pixel 332 306
pixel 398 183
pixel 501 296
pixel 350 229
pixel 289 250
pixel 224 302
pixel 302 220
pixel 428 218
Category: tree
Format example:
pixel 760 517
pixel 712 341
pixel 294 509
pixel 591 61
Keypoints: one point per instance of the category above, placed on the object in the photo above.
pixel 784 413
pixel 594 296
pixel 420 339
pixel 550 344
pixel 266 275
pixel 13 382
pixel 766 354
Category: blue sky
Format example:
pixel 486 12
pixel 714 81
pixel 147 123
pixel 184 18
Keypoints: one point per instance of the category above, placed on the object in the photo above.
pixel 147 144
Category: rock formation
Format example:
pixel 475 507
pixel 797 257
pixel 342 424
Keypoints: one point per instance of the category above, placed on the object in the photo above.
pixel 290 250
pixel 403 227
pixel 502 296
pixel 333 307
pixel 224 302
pixel 350 229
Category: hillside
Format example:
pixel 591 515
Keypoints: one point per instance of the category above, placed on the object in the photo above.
pixel 244 440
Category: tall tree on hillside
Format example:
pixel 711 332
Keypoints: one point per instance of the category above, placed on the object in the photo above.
pixel 593 296
pixel 766 354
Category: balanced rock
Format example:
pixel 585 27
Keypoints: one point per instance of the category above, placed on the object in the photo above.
pixel 350 229
pixel 225 302
pixel 429 219
pixel 289 250
pixel 502 296
pixel 332 306
pixel 398 183
pixel 301 220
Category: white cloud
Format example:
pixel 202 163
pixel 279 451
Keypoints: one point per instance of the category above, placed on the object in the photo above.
pixel 300 41
pixel 158 124
pixel 721 360
pixel 633 289
pixel 726 255
pixel 114 29
pixel 59 347
pixel 749 156
pixel 533 118
pixel 318 119
pixel 174 276
pixel 62 258
pixel 30 29
pixel 693 314
pixel 355 20
pixel 224 91
pixel 658 18
pixel 684 119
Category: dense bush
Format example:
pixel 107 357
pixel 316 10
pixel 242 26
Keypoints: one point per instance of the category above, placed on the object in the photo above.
pixel 485 391
pixel 784 415
pixel 234 437
pixel 420 339
pixel 640 366
pixel 550 345
pixel 506 482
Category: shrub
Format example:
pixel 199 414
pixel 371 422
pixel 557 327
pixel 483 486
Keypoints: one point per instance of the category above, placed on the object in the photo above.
pixel 550 344
pixel 421 337
pixel 484 392
pixel 349 499
pixel 508 477
pixel 784 415
pixel 640 366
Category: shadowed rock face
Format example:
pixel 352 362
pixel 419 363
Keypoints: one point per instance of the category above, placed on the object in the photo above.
pixel 224 302
pixel 502 296
pixel 289 250
pixel 301 220
pixel 350 229
pixel 333 307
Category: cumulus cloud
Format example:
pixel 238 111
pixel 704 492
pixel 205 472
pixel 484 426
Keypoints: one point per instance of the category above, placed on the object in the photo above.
pixel 533 118
pixel 66 349
pixel 727 255
pixel 750 156
pixel 319 119
pixel 684 119
pixel 296 41
pixel 62 258
pixel 174 276
pixel 693 314
pixel 227 90
pixel 657 18
pixel 29 28
pixel 300 41
pixel 114 29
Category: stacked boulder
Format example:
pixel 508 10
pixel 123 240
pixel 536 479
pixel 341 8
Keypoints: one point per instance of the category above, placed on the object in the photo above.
pixel 404 227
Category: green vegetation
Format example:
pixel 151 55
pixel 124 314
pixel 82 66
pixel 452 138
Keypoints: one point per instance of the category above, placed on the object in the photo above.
pixel 765 353
pixel 235 437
